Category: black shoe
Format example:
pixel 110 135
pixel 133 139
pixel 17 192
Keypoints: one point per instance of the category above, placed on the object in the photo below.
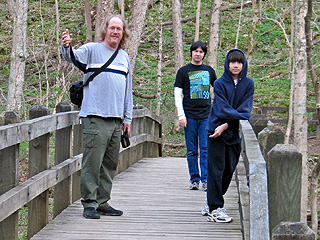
pixel 109 211
pixel 91 213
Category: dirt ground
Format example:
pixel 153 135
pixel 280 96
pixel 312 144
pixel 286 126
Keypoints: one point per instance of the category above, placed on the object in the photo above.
pixel 314 147
pixel 313 144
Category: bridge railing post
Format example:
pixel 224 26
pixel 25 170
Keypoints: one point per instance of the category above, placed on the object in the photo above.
pixel 268 138
pixel 258 123
pixel 63 140
pixel 284 184
pixel 292 231
pixel 77 148
pixel 159 127
pixel 38 208
pixel 9 178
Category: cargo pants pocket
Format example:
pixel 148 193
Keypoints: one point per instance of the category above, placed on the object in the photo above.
pixel 90 138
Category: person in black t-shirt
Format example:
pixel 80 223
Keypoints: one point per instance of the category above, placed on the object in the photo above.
pixel 193 102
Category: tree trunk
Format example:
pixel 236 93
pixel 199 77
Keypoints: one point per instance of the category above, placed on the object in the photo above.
pixel 316 85
pixel 239 24
pixel 159 59
pixel 178 47
pixel 46 54
pixel 121 7
pixel 18 9
pixel 314 197
pixel 300 96
pixel 87 19
pixel 214 33
pixel 177 35
pixel 222 9
pixel 60 79
pixel 251 34
pixel 290 76
pixel 136 23
pixel 196 35
pixel 311 68
pixel 104 9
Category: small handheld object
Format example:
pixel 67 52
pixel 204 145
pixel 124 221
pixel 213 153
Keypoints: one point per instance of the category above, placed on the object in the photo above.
pixel 125 142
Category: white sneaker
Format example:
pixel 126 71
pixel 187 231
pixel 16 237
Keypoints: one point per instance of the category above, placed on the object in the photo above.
pixel 204 186
pixel 219 215
pixel 194 186
pixel 205 210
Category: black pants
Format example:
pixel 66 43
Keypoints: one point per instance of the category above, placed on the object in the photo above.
pixel 222 160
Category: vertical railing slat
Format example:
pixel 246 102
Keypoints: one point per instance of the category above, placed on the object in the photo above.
pixel 62 191
pixel 9 178
pixel 38 209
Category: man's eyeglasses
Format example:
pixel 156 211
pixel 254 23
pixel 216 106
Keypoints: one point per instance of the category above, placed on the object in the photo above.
pixel 113 29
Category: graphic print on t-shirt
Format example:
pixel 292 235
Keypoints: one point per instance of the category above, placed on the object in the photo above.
pixel 199 84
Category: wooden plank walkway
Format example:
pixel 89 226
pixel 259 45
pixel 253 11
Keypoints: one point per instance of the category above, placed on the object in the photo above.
pixel 157 204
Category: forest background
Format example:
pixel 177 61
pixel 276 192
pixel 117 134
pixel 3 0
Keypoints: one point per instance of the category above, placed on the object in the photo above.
pixel 48 77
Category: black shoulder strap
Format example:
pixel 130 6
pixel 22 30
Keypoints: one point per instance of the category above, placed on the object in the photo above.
pixel 101 69
pixel 78 64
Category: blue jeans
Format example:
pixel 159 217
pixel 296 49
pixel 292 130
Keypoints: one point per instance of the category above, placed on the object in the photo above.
pixel 196 135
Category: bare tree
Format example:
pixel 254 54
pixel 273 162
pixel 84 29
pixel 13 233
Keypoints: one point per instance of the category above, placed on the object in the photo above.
pixel 252 32
pixel 316 85
pixel 222 9
pixel 178 48
pixel 311 67
pixel 177 35
pixel 160 58
pixel 136 23
pixel 18 10
pixel 196 35
pixel 290 76
pixel 300 97
pixel 104 9
pixel 59 80
pixel 214 33
pixel 239 24
pixel 314 197
pixel 121 7
pixel 87 19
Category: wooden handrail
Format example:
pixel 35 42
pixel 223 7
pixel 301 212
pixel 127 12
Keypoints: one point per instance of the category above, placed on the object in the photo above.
pixel 256 172
pixel 26 131
pixel 145 142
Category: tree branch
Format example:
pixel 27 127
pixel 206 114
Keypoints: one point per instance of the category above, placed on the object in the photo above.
pixel 225 8
pixel 146 96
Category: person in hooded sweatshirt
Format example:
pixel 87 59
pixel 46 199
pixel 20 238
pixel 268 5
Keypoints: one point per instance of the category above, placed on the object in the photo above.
pixel 233 101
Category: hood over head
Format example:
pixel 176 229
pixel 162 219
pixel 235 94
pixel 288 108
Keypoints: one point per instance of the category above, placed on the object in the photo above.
pixel 244 71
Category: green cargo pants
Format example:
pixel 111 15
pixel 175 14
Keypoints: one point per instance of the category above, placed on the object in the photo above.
pixel 101 145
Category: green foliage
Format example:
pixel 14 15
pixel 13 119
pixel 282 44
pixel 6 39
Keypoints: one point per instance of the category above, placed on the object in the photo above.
pixel 23 223
pixel 269 66
pixel 24 150
pixel 5 70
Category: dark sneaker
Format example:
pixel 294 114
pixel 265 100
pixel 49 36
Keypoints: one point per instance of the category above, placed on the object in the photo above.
pixel 109 211
pixel 90 213
pixel 204 186
pixel 194 186
pixel 219 215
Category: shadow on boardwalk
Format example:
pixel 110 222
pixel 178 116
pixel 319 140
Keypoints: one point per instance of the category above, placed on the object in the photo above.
pixel 157 204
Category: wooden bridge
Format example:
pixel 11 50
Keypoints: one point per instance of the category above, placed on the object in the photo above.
pixel 151 190
pixel 157 204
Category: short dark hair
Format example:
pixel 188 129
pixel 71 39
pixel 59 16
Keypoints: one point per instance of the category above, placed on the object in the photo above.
pixel 235 55
pixel 198 44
